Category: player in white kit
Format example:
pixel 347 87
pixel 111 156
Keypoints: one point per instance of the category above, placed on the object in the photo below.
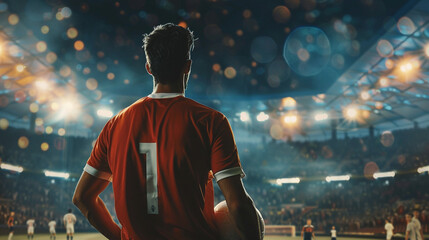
pixel 333 233
pixel 30 228
pixel 69 221
pixel 52 224
pixel 418 225
pixel 389 229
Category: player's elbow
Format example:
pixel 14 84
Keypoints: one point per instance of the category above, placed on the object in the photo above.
pixel 77 199
pixel 241 204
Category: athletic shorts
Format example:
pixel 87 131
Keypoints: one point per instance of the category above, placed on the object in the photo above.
pixel 52 231
pixel 70 229
pixel 333 238
pixel 30 230
pixel 389 236
pixel 10 229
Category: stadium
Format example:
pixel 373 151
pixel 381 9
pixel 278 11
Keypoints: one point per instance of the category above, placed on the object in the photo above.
pixel 328 101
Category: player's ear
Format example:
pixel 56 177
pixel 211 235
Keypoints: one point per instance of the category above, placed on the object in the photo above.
pixel 188 65
pixel 148 68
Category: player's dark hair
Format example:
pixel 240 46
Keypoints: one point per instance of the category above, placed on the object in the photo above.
pixel 167 48
pixel 70 210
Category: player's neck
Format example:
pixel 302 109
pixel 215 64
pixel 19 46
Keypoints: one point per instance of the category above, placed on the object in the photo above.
pixel 167 88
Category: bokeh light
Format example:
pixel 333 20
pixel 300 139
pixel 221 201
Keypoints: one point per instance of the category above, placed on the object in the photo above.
pixel 406 26
pixel 4 123
pixel 263 49
pixel 44 146
pixel 351 112
pixel 230 72
pixel 41 46
pixel 276 131
pixel 79 45
pixel 44 29
pixel 110 76
pixel 91 83
pixel 20 68
pixel 61 132
pixel 288 102
pixel 34 107
pixel 281 14
pixel 23 142
pixel 51 57
pixel 49 130
pixel 384 48
pixel 307 51
pixel 369 170
pixel 13 19
pixel 244 116
pixel 72 33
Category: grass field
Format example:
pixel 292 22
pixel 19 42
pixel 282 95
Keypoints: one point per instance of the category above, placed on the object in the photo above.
pixel 95 236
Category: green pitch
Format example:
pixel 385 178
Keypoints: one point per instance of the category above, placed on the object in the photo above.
pixel 95 236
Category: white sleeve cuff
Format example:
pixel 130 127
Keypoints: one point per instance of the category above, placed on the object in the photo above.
pixel 229 173
pixel 98 174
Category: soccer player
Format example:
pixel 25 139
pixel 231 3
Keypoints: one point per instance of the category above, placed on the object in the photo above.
pixel 158 153
pixel 30 228
pixel 333 233
pixel 389 229
pixel 307 232
pixel 69 221
pixel 411 231
pixel 418 225
pixel 10 224
pixel 53 234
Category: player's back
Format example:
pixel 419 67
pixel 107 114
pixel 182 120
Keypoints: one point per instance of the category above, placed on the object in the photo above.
pixel 30 222
pixel 52 224
pixel 69 219
pixel 159 154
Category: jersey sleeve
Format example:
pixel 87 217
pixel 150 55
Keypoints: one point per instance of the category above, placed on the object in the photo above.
pixel 224 155
pixel 97 164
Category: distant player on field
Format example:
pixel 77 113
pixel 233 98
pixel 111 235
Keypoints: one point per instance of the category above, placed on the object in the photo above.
pixel 411 232
pixel 418 225
pixel 69 221
pixel 333 233
pixel 307 232
pixel 10 224
pixel 389 229
pixel 53 234
pixel 30 228
pixel 158 153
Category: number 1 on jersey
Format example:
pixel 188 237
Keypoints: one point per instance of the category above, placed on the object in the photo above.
pixel 149 149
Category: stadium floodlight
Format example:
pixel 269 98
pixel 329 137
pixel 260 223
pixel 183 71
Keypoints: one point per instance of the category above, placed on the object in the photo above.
pixel 281 181
pixel 104 112
pixel 262 117
pixel 384 174
pixel 290 119
pixel 11 167
pixel 57 174
pixel 42 84
pixel 244 116
pixel 351 112
pixel 423 169
pixel 338 178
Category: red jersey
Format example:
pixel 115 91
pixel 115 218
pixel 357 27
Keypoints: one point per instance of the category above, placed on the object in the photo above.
pixel 158 153
pixel 10 221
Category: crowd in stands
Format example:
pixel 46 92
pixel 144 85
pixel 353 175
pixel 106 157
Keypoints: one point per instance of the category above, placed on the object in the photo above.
pixel 357 205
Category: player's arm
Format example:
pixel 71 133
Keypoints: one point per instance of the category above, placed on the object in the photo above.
pixel 314 235
pixel 302 234
pixel 86 198
pixel 406 234
pixel 240 206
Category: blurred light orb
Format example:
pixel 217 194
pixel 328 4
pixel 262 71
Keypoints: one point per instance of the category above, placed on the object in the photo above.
pixel 263 49
pixel 41 46
pixel 4 123
pixel 14 51
pixel 20 68
pixel 384 82
pixel 261 117
pixel 288 102
pixel 384 48
pixel 72 33
pixel 406 26
pixel 66 12
pixel 86 70
pixel 216 67
pixel 369 170
pixel 55 106
pixel 126 81
pixel 49 130
pixel 274 81
pixel 20 96
pixel 44 29
pixel 110 76
pixel 23 142
pixel 61 132
pixel 59 16
pixel 276 131
pixel 65 71
pixel 101 67
pixel 281 14
pixel 387 139
pixel 79 45
pixel 34 107
pixel 365 95
pixel 13 19
pixel 290 119
pixel 91 84
pixel 44 146
pixel 230 72
pixel 39 121
pixel 307 51
pixel 389 63
pixel 51 57
pixel 351 112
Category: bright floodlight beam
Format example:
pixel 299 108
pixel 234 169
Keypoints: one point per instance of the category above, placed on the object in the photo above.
pixel 423 169
pixel 384 174
pixel 338 178
pixel 281 181
pixel 11 167
pixel 262 117
pixel 42 84
pixel 351 113
pixel 57 174
pixel 104 112
pixel 244 116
